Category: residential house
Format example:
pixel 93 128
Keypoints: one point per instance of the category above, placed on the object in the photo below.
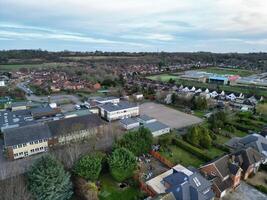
pixel 256 141
pixel 181 183
pixel 224 174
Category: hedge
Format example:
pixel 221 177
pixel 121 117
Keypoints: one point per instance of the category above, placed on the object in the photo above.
pixel 194 150
pixel 261 188
pixel 221 147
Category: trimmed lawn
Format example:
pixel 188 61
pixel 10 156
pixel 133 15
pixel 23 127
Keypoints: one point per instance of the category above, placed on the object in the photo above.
pixel 214 152
pixel 180 156
pixel 163 77
pixel 221 139
pixel 111 191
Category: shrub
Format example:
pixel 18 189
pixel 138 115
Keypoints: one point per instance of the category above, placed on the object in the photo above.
pixel 89 166
pixel 122 164
pixel 138 142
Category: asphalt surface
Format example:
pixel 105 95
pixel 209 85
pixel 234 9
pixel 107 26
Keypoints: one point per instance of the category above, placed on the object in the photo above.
pixel 245 192
pixel 169 116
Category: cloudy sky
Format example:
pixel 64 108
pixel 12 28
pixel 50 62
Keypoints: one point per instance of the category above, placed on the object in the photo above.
pixel 134 25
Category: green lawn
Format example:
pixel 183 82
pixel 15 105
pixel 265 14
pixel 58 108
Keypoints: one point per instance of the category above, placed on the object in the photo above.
pixel 221 139
pixel 111 191
pixel 214 152
pixel 180 156
pixel 222 71
pixel 163 77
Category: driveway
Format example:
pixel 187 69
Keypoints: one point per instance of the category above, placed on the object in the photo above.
pixel 245 192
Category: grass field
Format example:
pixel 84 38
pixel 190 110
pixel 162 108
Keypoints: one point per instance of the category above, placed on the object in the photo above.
pixel 14 67
pixel 179 156
pixel 216 70
pixel 111 191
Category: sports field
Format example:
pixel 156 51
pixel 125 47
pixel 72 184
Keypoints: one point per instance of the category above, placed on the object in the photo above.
pixel 228 71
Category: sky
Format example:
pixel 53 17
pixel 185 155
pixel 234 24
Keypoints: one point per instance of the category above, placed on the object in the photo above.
pixel 134 25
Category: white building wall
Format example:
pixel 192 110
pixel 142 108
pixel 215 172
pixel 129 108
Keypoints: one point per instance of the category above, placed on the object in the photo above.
pixel 161 132
pixel 120 114
pixel 30 148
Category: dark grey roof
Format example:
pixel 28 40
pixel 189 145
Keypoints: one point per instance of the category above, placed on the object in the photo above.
pixel 128 121
pixel 155 126
pixel 247 157
pixel 184 186
pixel 26 134
pixel 19 103
pixel 145 118
pixel 110 107
pixel 69 125
pixel 248 139
pixel 38 110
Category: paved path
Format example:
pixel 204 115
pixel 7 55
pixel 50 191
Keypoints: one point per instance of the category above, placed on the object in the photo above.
pixel 245 192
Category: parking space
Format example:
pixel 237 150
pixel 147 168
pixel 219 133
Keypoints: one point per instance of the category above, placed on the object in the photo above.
pixel 169 116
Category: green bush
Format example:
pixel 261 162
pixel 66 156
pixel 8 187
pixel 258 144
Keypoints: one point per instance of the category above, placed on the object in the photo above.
pixel 89 166
pixel 261 188
pixel 122 164
pixel 138 142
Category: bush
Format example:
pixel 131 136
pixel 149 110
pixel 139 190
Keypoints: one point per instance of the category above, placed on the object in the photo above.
pixel 261 188
pixel 199 136
pixel 138 142
pixel 194 150
pixel 89 166
pixel 48 180
pixel 122 164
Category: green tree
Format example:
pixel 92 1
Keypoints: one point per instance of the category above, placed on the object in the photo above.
pixel 200 103
pixel 89 166
pixel 193 135
pixel 48 180
pixel 138 142
pixel 205 139
pixel 122 164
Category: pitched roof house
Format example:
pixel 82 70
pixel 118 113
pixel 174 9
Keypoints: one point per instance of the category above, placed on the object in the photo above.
pixel 226 172
pixel 256 141
pixel 181 183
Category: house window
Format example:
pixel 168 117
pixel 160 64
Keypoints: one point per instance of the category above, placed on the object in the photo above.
pixel 32 150
pixel 21 153
pixel 41 148
pixel 35 142
pixel 20 145
pixel 15 146
pixel 15 155
pixel 31 143
pixel 24 144
pixel 37 149
pixel 40 141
